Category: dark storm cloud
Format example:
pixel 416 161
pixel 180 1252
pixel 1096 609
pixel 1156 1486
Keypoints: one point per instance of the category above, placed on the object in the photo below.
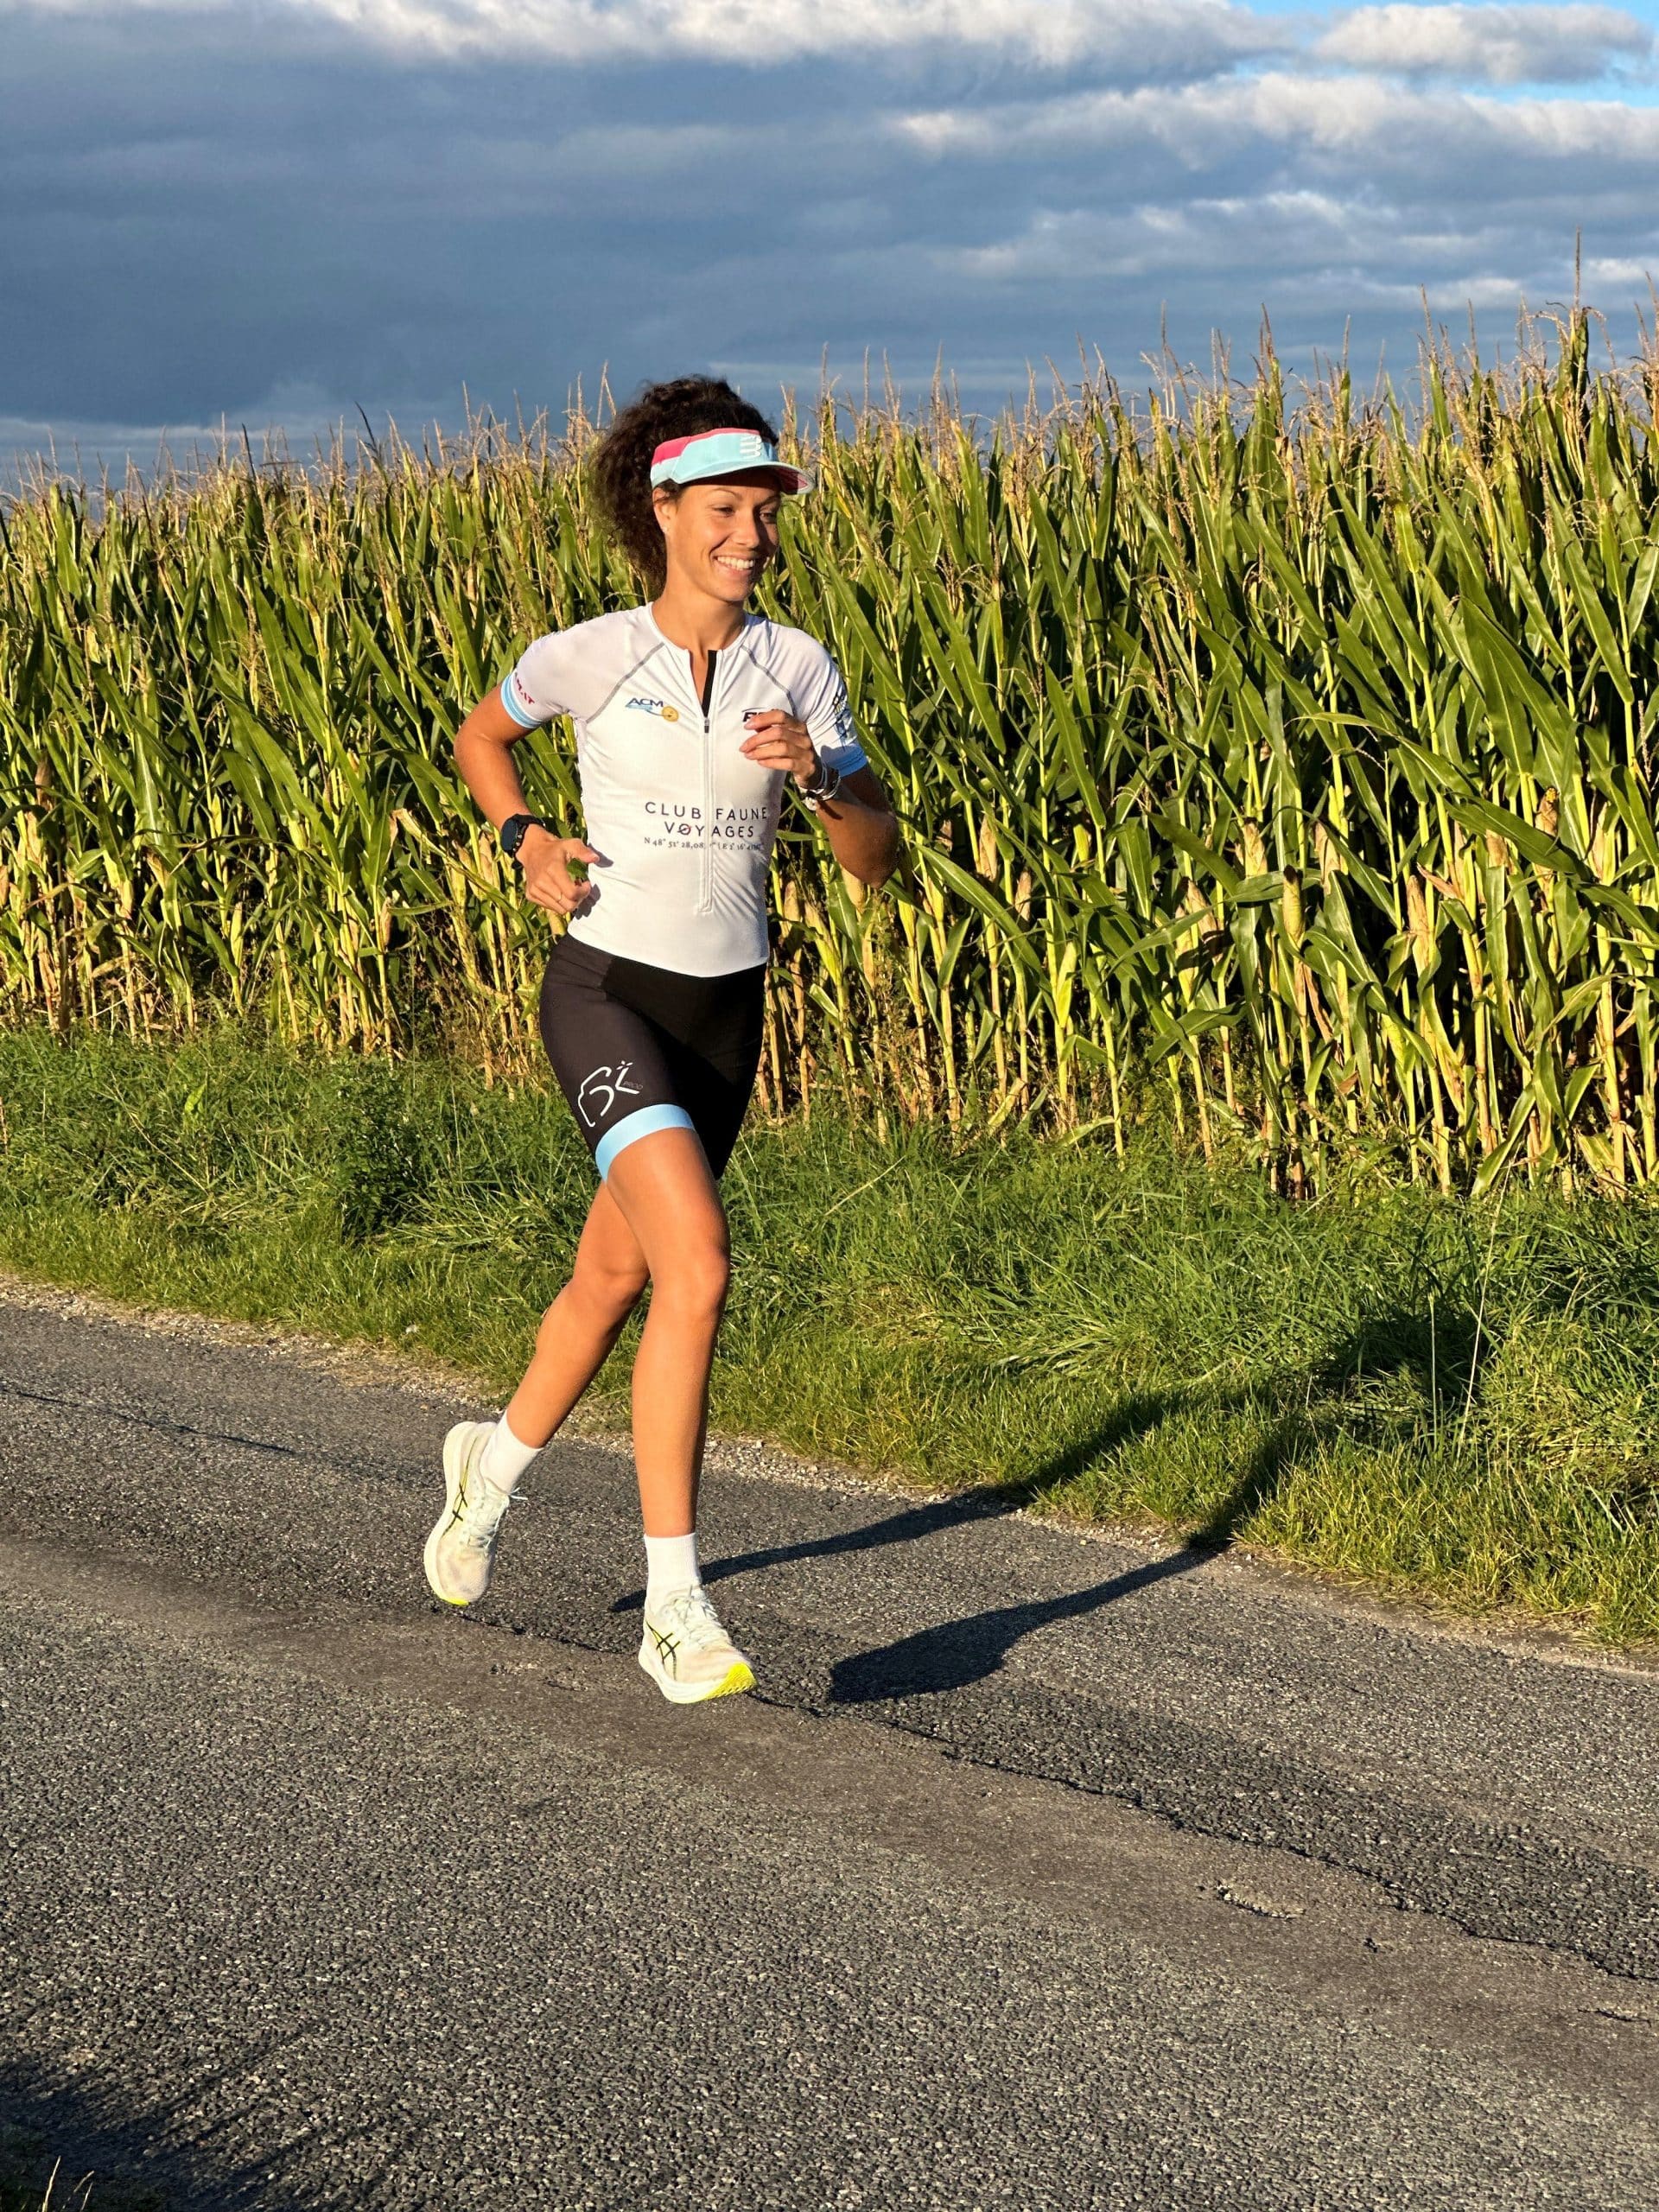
pixel 259 217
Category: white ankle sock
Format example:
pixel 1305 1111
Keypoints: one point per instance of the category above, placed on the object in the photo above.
pixel 671 1565
pixel 504 1458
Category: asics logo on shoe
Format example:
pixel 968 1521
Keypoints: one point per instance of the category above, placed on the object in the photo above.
pixel 666 1647
pixel 608 1084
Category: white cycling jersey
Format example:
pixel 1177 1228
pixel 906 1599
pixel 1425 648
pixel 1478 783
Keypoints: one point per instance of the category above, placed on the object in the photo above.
pixel 683 821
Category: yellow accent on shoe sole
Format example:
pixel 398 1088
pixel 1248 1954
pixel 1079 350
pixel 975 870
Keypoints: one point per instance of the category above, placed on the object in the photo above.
pixel 732 1683
pixel 742 1678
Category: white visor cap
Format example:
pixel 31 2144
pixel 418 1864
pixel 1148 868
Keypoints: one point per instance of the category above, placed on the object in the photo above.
pixel 722 453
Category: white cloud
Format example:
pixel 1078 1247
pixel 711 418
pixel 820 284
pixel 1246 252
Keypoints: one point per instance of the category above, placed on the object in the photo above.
pixel 1147 35
pixel 1352 117
pixel 1610 275
pixel 1268 233
pixel 1499 45
pixel 1341 263
pixel 1491 43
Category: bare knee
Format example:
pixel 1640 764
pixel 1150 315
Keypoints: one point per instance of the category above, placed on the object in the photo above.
pixel 610 1293
pixel 694 1282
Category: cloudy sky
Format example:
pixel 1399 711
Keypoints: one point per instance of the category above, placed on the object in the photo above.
pixel 274 212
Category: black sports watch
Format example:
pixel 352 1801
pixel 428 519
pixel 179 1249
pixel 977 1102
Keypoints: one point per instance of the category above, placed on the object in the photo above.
pixel 513 832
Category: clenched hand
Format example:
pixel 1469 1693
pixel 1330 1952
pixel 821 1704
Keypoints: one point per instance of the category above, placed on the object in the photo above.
pixel 546 861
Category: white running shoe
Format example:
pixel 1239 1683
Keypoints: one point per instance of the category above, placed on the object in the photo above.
pixel 688 1654
pixel 461 1549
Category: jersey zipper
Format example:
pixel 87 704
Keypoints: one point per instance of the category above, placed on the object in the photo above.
pixel 706 889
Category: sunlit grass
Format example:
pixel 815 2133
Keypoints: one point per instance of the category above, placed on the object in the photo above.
pixel 1458 1398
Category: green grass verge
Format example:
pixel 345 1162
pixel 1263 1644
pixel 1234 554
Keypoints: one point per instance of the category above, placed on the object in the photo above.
pixel 1426 1394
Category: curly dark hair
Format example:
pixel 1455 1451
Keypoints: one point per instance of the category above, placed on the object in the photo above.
pixel 678 409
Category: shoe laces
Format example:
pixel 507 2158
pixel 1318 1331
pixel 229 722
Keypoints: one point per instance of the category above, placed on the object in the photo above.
pixel 691 1614
pixel 480 1509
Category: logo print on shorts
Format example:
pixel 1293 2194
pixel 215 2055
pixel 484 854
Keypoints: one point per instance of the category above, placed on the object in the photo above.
pixel 607 1084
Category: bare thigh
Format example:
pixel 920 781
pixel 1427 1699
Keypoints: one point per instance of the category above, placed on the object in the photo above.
pixel 664 1198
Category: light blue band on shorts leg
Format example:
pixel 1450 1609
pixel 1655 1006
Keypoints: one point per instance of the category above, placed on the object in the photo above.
pixel 632 1126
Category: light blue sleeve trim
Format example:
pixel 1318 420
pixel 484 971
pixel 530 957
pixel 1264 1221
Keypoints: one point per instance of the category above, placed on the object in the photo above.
pixel 829 719
pixel 524 721
pixel 632 1126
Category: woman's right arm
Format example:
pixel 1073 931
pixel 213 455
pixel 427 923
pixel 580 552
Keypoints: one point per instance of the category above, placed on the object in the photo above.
pixel 484 746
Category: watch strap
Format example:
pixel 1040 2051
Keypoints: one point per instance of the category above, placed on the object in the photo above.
pixel 512 830
pixel 823 783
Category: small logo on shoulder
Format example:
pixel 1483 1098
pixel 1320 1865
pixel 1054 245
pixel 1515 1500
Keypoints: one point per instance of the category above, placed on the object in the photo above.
pixel 658 707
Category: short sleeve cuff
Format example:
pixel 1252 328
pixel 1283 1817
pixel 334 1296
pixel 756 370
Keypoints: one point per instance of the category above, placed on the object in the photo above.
pixel 846 754
pixel 838 744
pixel 513 699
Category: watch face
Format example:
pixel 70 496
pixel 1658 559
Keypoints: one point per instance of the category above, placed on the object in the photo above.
pixel 512 834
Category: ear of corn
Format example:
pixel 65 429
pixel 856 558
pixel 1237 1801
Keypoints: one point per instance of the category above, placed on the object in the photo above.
pixel 1303 760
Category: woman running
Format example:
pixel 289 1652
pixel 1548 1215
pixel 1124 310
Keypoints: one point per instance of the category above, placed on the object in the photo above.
pixel 692 716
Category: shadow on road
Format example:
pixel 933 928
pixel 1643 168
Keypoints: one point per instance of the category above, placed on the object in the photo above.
pixel 1131 1417
pixel 1441 1362
pixel 956 1653
pixel 989 1503
pixel 165 2157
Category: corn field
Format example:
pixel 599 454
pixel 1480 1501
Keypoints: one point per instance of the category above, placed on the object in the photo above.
pixel 1297 756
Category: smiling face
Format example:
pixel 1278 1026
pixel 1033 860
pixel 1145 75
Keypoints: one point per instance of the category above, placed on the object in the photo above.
pixel 721 536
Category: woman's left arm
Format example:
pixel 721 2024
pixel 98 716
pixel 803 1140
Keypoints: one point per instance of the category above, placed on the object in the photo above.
pixel 862 831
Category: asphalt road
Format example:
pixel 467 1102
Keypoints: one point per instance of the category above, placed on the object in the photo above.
pixel 1044 1871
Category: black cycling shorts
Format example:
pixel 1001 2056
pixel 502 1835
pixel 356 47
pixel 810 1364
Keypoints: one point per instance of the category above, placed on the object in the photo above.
pixel 637 1049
